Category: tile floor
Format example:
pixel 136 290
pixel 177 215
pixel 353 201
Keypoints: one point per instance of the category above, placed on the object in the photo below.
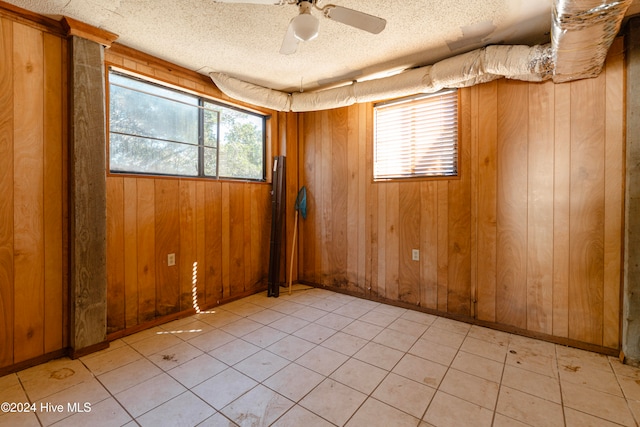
pixel 318 358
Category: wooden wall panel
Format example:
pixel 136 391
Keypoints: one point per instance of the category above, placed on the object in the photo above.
pixel 33 205
pixel 511 295
pixel 213 243
pixel 7 282
pixel 167 217
pixel 587 211
pixel 115 255
pixel 527 238
pixel 28 190
pixel 130 253
pixel 146 242
pixel 338 190
pixel 187 255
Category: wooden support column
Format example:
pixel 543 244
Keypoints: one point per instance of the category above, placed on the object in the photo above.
pixel 631 316
pixel 88 206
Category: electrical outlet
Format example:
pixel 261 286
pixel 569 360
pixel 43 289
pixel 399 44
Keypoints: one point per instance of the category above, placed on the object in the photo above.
pixel 415 254
pixel 171 259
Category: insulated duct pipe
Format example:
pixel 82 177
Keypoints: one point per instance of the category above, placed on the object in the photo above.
pixel 582 32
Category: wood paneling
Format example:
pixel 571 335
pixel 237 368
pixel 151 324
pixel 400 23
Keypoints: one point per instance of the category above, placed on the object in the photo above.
pixel 218 230
pixel 528 237
pixel 33 203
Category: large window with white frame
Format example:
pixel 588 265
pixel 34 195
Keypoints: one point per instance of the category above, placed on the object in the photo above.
pixel 158 130
pixel 416 137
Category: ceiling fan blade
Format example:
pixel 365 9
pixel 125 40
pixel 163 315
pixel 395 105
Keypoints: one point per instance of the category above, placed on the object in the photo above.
pixel 357 19
pixel 276 2
pixel 290 42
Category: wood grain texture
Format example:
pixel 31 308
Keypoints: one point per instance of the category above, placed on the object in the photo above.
pixel 339 191
pixel 213 242
pixel 511 255
pixel 7 282
pixel 55 116
pixel 429 244
pixel 540 169
pixel 392 241
pixel 587 211
pixel 355 216
pixel 167 226
pixel 187 255
pixel 443 244
pixel 130 253
pixel 614 194
pixel 28 189
pixel 409 239
pixel 487 200
pixel 115 255
pixel 146 242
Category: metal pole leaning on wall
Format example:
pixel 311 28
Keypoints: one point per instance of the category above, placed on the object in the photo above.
pixel 277 217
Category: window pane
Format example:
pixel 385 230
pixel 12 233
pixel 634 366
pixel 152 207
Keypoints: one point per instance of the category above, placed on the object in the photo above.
pixel 210 161
pixel 135 154
pixel 417 137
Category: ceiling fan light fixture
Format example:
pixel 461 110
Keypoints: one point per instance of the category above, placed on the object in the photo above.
pixel 305 27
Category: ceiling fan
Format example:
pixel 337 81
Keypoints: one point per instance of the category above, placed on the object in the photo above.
pixel 304 26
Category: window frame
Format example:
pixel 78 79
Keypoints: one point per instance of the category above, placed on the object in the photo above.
pixel 419 177
pixel 202 99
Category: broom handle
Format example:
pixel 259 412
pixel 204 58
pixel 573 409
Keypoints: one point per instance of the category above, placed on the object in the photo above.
pixel 293 247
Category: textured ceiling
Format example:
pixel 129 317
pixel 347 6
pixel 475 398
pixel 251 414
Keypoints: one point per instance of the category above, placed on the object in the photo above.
pixel 243 40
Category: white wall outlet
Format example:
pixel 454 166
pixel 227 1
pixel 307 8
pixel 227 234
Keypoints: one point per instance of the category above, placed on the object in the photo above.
pixel 415 254
pixel 171 259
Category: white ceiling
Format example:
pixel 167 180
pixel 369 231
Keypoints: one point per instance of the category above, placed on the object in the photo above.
pixel 243 40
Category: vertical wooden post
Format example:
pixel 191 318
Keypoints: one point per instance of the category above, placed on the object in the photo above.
pixel 87 198
pixel 631 309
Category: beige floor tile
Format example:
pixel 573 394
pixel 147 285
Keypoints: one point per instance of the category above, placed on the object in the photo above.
pixel 394 339
pixel 289 324
pixel 110 359
pixel 378 318
pixel 314 333
pixel 139 336
pixel 242 309
pixel 390 309
pixel 489 335
pixel 419 317
pixel 408 327
pixel 183 410
pixel 421 370
pixel 327 304
pixel 240 327
pixel 375 413
pixel 294 381
pixel 172 357
pixel 596 403
pixel 234 351
pixel 156 343
pixel 299 416
pixel 344 343
pixel 224 388
pixel 197 370
pixel 217 318
pixel 533 383
pixel 288 307
pixel 529 346
pixel 291 347
pixel 572 357
pixel 630 387
pixel 322 360
pixel 595 378
pixel 261 365
pixel 529 409
pixel 500 420
pixel 334 321
pixel 470 388
pixel 264 336
pixel 22 419
pixel 129 375
pixel 88 392
pixel 451 325
pixel 333 401
pixel 432 351
pixel 533 362
pixel 449 411
pixel 187 328
pixel 634 407
pixel 213 339
pixel 443 337
pixel 362 329
pixel 406 395
pixel 310 314
pixel 267 316
pixel 485 349
pixel 359 375
pixel 259 407
pixel 52 377
pixel 575 418
pixel 379 355
pixel 622 369
pixel 352 310
pixel 147 395
pixel 11 390
pixel 478 366
pixel 106 413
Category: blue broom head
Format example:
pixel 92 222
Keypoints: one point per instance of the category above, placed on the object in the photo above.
pixel 301 202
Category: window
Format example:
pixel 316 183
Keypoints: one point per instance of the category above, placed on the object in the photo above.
pixel 416 137
pixel 162 131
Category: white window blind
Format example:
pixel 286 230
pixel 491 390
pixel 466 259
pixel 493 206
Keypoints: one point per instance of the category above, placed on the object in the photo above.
pixel 416 137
